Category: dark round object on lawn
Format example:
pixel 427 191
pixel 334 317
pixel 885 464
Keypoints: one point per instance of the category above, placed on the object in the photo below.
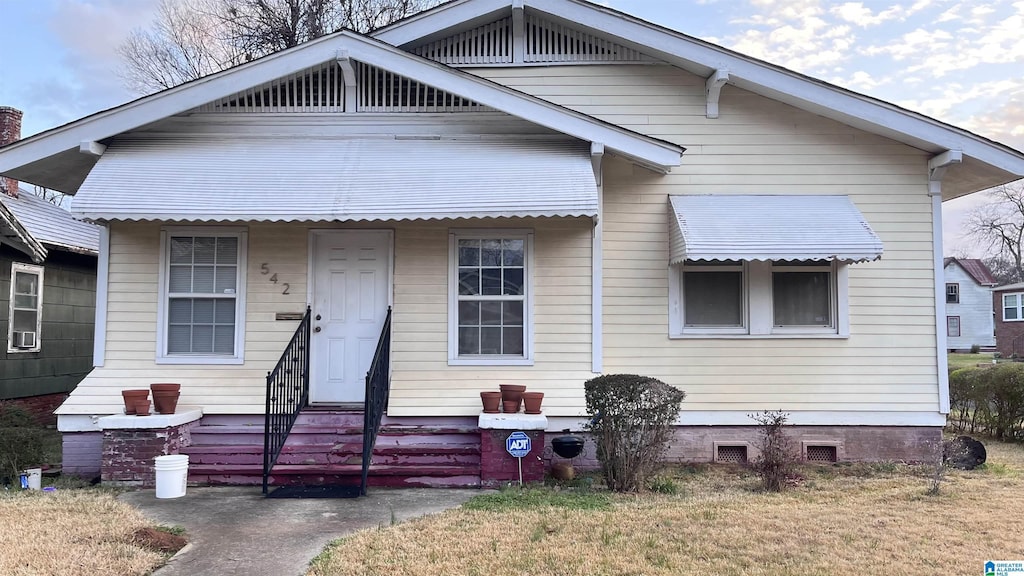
pixel 964 453
pixel 567 446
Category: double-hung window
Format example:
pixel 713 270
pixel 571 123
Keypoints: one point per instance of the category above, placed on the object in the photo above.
pixel 952 293
pixel 26 308
pixel 1013 307
pixel 489 297
pixel 757 298
pixel 202 296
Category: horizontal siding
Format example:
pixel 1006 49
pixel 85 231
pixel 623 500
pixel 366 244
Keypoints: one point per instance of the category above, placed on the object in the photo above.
pixel 757 146
pixel 423 383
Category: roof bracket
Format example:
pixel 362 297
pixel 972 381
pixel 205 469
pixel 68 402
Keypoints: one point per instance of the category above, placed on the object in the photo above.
pixel 596 160
pixel 937 166
pixel 92 148
pixel 713 90
pixel 349 73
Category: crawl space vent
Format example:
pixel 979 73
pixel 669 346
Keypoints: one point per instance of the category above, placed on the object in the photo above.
pixel 731 454
pixel 821 454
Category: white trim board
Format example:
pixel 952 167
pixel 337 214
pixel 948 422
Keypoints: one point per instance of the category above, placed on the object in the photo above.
pixel 757 76
pixel 26 159
pixel 99 344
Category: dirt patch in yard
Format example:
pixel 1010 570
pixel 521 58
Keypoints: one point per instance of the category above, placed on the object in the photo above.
pixel 159 540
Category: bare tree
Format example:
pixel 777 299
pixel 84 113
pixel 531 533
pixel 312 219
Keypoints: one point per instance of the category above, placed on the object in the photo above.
pixel 51 196
pixel 998 226
pixel 192 38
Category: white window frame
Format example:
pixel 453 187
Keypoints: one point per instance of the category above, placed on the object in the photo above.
pixel 453 297
pixel 758 302
pixel 16 268
pixel 1019 307
pixel 162 356
pixel 955 292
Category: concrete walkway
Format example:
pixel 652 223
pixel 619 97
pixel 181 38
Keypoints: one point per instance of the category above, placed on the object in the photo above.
pixel 237 531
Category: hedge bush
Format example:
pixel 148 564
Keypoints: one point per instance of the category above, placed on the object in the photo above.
pixel 988 400
pixel 632 426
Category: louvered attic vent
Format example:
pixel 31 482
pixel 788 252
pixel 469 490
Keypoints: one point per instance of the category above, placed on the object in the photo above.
pixel 322 89
pixel 317 89
pixel 544 41
pixel 384 91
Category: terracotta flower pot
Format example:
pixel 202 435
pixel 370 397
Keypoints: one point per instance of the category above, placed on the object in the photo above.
pixel 142 407
pixel 130 397
pixel 165 402
pixel 510 406
pixel 532 400
pixel 512 392
pixel 168 387
pixel 491 401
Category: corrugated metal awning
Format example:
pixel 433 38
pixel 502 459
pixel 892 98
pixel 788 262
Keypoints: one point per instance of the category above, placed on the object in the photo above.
pixel 748 227
pixel 336 179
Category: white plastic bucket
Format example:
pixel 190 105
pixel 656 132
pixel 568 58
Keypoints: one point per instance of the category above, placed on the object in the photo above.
pixel 171 475
pixel 35 478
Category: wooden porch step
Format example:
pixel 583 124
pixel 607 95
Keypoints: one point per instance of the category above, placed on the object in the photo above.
pixel 343 474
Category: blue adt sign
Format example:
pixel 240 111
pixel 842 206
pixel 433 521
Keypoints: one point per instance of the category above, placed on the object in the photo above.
pixel 518 444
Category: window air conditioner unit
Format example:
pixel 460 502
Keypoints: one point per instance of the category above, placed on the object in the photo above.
pixel 24 339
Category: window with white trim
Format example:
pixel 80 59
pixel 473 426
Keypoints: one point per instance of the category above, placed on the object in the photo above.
pixel 26 308
pixel 755 298
pixel 202 295
pixel 1013 307
pixel 952 326
pixel 489 301
pixel 952 293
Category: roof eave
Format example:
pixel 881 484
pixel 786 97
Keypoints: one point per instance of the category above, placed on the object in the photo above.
pixel 17 236
pixel 59 141
pixel 702 58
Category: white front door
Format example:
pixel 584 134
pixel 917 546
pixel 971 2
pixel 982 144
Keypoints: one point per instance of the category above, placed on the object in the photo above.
pixel 351 287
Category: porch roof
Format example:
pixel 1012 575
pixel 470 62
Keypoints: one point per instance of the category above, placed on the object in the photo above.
pixel 337 179
pixel 770 227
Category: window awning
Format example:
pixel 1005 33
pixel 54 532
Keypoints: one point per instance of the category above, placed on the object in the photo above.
pixel 336 179
pixel 790 227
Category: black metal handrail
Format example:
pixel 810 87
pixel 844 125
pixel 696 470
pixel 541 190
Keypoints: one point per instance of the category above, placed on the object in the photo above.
pixel 287 394
pixel 378 385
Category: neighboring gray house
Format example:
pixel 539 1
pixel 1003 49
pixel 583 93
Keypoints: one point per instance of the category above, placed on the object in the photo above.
pixel 47 300
pixel 968 304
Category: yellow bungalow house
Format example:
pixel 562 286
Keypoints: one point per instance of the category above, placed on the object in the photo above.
pixel 538 191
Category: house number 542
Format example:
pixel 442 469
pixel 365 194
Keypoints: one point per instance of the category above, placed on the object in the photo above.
pixel 264 269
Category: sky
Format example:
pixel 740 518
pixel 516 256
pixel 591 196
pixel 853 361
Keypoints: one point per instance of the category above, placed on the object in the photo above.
pixel 960 61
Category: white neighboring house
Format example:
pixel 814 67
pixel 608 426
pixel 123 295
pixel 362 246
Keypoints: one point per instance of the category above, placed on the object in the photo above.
pixel 968 304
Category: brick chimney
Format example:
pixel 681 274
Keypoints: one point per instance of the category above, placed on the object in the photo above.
pixel 10 131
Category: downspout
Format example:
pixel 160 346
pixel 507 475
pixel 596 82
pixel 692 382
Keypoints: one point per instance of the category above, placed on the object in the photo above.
pixel 937 167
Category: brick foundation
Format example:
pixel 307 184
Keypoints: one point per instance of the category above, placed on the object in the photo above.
pixel 128 454
pixel 498 468
pixel 41 407
pixel 852 443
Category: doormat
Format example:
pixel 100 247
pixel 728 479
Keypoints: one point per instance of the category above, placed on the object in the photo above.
pixel 315 492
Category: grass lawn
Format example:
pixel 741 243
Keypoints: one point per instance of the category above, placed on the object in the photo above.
pixel 969 360
pixel 839 520
pixel 72 532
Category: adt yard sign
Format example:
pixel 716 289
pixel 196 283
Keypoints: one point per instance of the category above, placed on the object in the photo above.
pixel 518 444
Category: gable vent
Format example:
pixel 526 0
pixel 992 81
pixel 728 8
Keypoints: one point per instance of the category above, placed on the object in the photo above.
pixel 550 42
pixel 384 91
pixel 320 88
pixel 487 44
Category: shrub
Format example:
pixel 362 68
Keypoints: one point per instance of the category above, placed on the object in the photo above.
pixel 975 348
pixel 775 461
pixel 21 442
pixel 1005 400
pixel 632 425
